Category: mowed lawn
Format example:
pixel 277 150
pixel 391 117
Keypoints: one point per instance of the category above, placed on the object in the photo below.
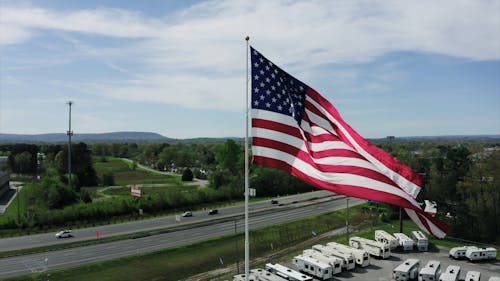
pixel 124 174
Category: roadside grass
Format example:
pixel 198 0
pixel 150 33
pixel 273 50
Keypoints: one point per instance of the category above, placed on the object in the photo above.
pixel 156 189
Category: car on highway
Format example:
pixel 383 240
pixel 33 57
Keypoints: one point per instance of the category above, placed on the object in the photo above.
pixel 274 201
pixel 187 214
pixel 213 212
pixel 64 234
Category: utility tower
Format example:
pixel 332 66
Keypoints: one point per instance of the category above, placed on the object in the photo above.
pixel 69 133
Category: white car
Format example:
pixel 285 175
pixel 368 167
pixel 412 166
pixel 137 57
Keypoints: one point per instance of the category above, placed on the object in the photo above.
pixel 64 234
pixel 187 214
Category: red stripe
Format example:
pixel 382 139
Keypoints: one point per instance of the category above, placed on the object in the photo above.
pixel 326 168
pixel 276 126
pixel 384 157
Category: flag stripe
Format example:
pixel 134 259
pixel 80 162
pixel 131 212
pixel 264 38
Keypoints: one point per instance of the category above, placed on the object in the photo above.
pixel 296 130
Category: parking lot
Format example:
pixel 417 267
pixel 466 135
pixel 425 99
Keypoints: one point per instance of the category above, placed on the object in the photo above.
pixel 382 269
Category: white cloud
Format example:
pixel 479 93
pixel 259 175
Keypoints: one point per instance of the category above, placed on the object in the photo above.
pixel 196 57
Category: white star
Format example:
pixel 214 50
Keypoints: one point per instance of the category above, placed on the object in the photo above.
pixel 274 99
pixel 261 60
pixel 256 77
pixel 280 107
pixel 256 65
pixel 262 97
pixel 268 92
pixel 262 72
pixel 272 75
pixel 279 96
pixel 268 80
pixel 256 103
pixel 262 85
pixel 278 83
pixel 268 105
pixel 256 90
pixel 267 67
pixel 301 88
pixel 273 88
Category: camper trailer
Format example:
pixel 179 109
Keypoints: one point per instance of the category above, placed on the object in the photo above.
pixel 287 273
pixel 372 247
pixel 361 257
pixel 494 278
pixel 477 254
pixel 313 267
pixel 421 241
pixel 430 272
pixel 407 270
pixel 404 241
pixel 259 275
pixel 335 262
pixel 384 237
pixel 473 276
pixel 451 273
pixel 459 252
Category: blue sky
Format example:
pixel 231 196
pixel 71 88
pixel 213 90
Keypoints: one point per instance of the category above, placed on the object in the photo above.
pixel 402 68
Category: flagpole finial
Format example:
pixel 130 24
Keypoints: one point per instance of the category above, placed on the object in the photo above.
pixel 247 38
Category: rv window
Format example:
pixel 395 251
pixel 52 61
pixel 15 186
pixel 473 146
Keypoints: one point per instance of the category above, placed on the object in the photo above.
pixel 306 266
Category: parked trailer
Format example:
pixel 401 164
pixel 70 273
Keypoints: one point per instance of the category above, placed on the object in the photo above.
pixel 459 252
pixel 346 260
pixel 287 273
pixel 385 237
pixel 420 239
pixel 404 241
pixel 477 254
pixel 473 276
pixel 451 274
pixel 430 272
pixel 259 275
pixel 314 267
pixel 372 247
pixel 335 262
pixel 407 270
pixel 494 278
pixel 361 257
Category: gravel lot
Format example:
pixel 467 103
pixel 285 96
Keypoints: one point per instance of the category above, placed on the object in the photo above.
pixel 380 270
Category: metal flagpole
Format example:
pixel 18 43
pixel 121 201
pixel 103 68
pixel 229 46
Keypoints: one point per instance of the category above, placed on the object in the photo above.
pixel 247 247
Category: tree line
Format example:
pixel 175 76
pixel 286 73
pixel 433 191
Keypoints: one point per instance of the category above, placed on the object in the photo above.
pixel 463 180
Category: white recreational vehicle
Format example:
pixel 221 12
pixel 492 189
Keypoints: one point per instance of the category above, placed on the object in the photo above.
pixel 473 276
pixel 287 273
pixel 477 254
pixel 407 270
pixel 314 267
pixel 430 272
pixel 335 262
pixel 346 259
pixel 361 257
pixel 259 275
pixel 372 247
pixel 459 252
pixel 494 278
pixel 451 273
pixel 420 239
pixel 384 237
pixel 404 241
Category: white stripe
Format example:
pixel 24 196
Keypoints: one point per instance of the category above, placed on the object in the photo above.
pixel 404 183
pixel 279 136
pixel 434 229
pixel 273 116
pixel 338 178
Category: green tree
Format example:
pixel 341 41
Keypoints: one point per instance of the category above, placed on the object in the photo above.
pixel 187 175
pixel 478 211
pixel 228 156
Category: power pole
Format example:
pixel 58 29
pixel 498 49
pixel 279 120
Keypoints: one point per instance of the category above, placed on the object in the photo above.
pixel 69 133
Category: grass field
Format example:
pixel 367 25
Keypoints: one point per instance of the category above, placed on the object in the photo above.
pixel 124 174
pixel 125 191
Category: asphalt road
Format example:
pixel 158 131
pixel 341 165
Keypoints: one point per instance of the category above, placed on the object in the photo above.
pixel 66 258
pixel 38 240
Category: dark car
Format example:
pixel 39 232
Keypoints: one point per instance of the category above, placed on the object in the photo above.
pixel 274 201
pixel 213 212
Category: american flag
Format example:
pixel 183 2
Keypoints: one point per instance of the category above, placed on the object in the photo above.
pixel 297 130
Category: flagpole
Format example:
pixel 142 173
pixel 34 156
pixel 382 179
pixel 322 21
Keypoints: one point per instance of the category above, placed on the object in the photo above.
pixel 247 243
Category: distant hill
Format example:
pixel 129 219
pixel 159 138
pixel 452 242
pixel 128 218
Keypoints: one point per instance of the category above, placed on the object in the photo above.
pixel 138 137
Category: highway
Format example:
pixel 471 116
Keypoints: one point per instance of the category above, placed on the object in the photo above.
pixel 77 256
pixel 38 240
